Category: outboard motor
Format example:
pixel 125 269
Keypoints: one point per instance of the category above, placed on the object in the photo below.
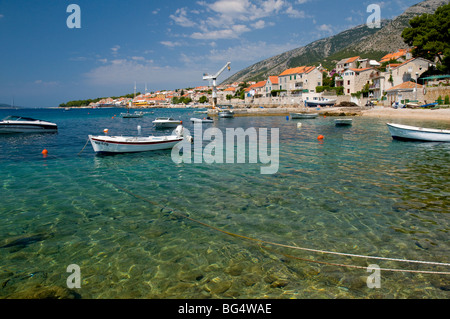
pixel 179 131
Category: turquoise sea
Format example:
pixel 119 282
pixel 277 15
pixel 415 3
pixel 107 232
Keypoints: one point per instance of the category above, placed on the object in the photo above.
pixel 119 217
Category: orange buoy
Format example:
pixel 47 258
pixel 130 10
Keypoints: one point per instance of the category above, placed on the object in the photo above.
pixel 320 137
pixel 44 152
pixel 105 131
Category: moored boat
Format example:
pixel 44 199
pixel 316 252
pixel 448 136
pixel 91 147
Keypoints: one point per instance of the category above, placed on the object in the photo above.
pixel 136 114
pixel 19 124
pixel 166 122
pixel 304 115
pixel 134 144
pixel 343 122
pixel 413 133
pixel 203 120
pixel 315 103
pixel 226 114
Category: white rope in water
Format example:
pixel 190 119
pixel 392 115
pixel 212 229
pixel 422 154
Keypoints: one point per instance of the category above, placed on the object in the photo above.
pixel 359 256
pixel 308 249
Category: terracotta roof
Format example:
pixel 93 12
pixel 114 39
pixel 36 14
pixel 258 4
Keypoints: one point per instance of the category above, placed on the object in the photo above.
pixel 352 59
pixel 273 79
pixel 260 84
pixel 405 85
pixel 360 70
pixel 299 70
pixel 230 89
pixel 394 55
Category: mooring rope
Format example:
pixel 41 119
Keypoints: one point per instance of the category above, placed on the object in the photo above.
pixel 83 147
pixel 261 242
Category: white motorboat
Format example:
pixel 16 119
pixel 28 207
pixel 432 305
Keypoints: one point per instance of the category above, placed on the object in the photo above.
pixel 226 113
pixel 406 132
pixel 19 124
pixel 134 144
pixel 343 122
pixel 166 122
pixel 325 102
pixel 304 115
pixel 136 114
pixel 203 120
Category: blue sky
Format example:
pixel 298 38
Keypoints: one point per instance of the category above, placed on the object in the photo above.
pixel 166 44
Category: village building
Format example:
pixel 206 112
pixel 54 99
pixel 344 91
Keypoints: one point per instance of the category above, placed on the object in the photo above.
pixel 401 55
pixel 356 79
pixel 346 64
pixel 404 92
pixel 300 80
pixel 405 72
pixel 271 85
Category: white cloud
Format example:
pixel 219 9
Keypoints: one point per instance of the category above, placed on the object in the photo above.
pixel 228 19
pixel 259 24
pixel 326 28
pixel 1 16
pixel 232 33
pixel 46 83
pixel 115 49
pixel 180 18
pixel 171 44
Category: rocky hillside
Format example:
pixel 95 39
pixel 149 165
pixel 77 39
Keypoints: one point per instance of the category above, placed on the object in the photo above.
pixel 370 43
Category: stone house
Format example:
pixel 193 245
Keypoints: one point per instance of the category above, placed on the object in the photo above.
pixel 271 85
pixel 300 79
pixel 355 79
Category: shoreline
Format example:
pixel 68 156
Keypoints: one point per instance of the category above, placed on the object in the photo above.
pixel 442 115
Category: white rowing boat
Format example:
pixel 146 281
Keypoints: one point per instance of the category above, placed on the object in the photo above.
pixel 406 132
pixel 134 144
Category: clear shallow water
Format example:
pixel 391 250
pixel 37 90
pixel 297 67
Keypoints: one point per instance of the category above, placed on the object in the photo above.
pixel 358 192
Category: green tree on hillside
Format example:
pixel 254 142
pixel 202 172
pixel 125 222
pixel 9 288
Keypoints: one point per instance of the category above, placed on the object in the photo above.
pixel 429 36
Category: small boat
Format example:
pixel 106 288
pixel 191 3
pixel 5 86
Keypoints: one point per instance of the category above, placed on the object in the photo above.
pixel 413 133
pixel 315 103
pixel 165 122
pixel 226 113
pixel 304 115
pixel 134 144
pixel 201 112
pixel 19 124
pixel 128 115
pixel 203 120
pixel 343 122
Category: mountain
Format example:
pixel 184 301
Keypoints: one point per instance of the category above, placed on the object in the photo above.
pixel 358 41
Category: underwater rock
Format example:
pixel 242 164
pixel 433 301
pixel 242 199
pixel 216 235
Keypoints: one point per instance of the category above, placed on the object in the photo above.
pixel 218 285
pixel 26 241
pixel 39 292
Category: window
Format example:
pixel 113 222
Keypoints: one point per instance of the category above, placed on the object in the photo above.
pixel 348 82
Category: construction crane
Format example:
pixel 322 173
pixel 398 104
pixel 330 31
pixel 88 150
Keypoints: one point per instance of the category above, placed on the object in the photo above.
pixel 214 78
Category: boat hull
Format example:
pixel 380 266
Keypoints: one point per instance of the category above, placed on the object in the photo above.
pixel 167 124
pixel 304 115
pixel 15 124
pixel 320 103
pixel 412 133
pixel 226 114
pixel 195 120
pixel 120 144
pixel 343 122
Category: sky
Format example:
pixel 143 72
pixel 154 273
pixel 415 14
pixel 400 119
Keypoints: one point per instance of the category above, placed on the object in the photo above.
pixel 165 45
